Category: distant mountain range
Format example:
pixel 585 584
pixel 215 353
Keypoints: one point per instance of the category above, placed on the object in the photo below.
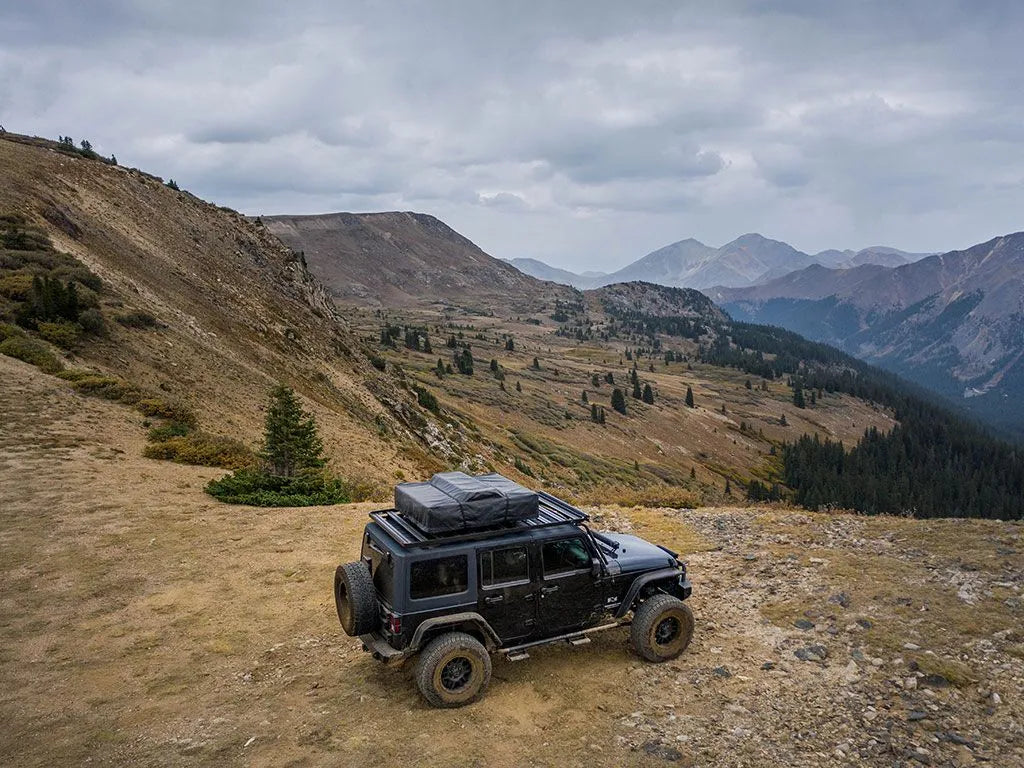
pixel 953 322
pixel 748 260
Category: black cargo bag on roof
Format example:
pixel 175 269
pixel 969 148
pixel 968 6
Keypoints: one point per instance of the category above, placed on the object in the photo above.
pixel 455 501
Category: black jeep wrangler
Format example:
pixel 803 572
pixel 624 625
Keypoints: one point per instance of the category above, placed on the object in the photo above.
pixel 455 598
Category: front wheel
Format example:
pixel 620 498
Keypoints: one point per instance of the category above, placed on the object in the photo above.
pixel 453 670
pixel 662 628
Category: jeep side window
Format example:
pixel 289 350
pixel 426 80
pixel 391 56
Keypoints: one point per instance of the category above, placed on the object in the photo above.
pixel 499 567
pixel 564 556
pixel 443 576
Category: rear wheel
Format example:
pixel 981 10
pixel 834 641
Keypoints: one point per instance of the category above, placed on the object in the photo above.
pixel 662 628
pixel 355 598
pixel 453 670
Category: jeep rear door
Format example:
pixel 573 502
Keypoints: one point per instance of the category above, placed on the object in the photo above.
pixel 570 597
pixel 507 595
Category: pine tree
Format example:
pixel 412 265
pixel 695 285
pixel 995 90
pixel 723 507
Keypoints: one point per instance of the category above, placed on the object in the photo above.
pixel 749 385
pixel 689 398
pixel 510 346
pixel 426 345
pixel 519 387
pixel 494 365
pixel 585 401
pixel 600 415
pixel 798 397
pixel 609 377
pixel 814 398
pixel 536 364
pixel 637 394
pixel 291 445
pixel 648 394
pixel 464 362
pixel 595 381
pixel 693 473
pixel 728 487
pixel 440 368
pixel 783 421
pixel 618 401
pixel 593 412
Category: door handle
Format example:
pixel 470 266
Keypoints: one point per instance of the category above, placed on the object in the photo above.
pixel 494 599
pixel 547 590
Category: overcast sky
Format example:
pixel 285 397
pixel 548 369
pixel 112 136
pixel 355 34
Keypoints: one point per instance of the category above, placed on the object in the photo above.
pixel 582 133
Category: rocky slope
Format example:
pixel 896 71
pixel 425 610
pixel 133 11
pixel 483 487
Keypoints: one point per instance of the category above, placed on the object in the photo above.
pixel 952 322
pixel 232 310
pixel 401 258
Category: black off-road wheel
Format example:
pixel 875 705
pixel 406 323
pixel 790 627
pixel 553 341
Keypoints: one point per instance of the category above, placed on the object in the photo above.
pixel 453 670
pixel 662 628
pixel 355 599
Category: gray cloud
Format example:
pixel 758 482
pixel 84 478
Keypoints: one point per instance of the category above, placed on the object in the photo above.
pixel 583 133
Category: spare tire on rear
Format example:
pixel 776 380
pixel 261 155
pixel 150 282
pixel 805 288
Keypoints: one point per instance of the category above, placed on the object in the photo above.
pixel 355 599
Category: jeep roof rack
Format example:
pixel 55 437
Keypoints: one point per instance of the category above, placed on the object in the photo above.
pixel 551 511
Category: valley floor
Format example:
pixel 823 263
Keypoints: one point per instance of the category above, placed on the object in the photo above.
pixel 143 623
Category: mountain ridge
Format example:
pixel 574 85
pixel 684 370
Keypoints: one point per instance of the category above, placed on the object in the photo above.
pixel 750 259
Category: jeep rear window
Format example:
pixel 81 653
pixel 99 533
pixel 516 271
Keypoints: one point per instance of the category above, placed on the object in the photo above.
pixel 381 568
pixel 504 566
pixel 564 556
pixel 443 576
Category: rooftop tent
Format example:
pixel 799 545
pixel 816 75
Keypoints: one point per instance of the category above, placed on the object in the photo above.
pixel 455 501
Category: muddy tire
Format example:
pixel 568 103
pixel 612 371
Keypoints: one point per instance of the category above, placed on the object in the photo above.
pixel 355 599
pixel 453 670
pixel 662 628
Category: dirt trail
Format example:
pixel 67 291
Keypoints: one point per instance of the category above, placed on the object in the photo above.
pixel 143 623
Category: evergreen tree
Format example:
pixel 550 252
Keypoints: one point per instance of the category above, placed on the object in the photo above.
pixel 494 365
pixel 814 398
pixel 519 387
pixel 693 473
pixel 440 368
pixel 689 398
pixel 585 400
pixel 637 394
pixel 798 397
pixel 426 345
pixel 291 445
pixel 464 362
pixel 648 394
pixel 600 415
pixel 783 421
pixel 728 487
pixel 595 381
pixel 609 377
pixel 536 364
pixel 510 346
pixel 748 385
pixel 618 401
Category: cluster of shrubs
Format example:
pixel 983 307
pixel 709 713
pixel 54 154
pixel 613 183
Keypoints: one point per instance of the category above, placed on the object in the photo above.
pixel 43 290
pixel 290 469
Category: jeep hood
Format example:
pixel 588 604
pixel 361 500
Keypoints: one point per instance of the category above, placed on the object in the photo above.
pixel 635 554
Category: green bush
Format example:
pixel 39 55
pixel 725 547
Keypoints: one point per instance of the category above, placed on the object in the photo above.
pixel 201 449
pixel 31 351
pixel 7 331
pixel 64 335
pixel 92 322
pixel 159 408
pixel 137 319
pixel 108 388
pixel 167 431
pixel 426 399
pixel 258 489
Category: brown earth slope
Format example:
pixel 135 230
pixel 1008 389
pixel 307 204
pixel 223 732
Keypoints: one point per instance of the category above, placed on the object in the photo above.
pixel 400 258
pixel 236 311
pixel 142 623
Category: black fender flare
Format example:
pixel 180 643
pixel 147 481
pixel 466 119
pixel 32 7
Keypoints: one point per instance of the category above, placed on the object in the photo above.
pixel 662 574
pixel 491 639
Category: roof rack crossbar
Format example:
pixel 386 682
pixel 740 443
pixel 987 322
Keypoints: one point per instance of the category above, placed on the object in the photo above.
pixel 551 511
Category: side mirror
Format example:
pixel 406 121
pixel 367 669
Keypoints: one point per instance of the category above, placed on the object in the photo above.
pixel 595 567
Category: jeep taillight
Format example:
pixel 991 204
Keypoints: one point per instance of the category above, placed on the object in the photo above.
pixel 395 625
